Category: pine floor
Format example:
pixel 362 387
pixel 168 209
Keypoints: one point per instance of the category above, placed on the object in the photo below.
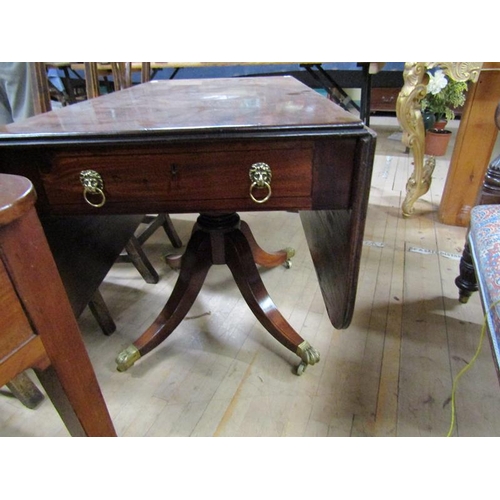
pixel 221 374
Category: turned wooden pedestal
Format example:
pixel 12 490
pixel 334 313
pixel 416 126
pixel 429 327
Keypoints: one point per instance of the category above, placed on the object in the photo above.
pixel 222 239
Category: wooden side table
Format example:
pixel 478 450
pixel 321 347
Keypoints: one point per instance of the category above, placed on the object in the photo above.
pixel 214 147
pixel 37 327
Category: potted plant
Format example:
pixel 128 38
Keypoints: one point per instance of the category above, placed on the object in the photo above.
pixel 444 95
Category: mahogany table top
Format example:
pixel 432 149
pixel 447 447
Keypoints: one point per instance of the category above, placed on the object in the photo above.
pixel 174 107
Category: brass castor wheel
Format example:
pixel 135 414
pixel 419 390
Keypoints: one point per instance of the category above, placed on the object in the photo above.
pixel 301 369
pixel 309 356
pixel 290 252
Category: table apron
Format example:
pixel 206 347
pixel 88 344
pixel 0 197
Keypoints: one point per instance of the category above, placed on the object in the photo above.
pixel 306 174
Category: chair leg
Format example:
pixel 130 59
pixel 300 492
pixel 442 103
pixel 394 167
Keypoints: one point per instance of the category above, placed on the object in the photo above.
pixel 466 282
pixel 169 228
pixel 101 313
pixel 23 388
pixel 155 221
pixel 137 256
pixel 135 253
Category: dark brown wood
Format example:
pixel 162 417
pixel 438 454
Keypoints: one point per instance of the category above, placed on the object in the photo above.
pixel 156 221
pixel 85 248
pixel 195 266
pixel 189 108
pixel 25 391
pixel 136 255
pixel 187 146
pixel 216 240
pixel 68 256
pixel 101 313
pixel 53 346
pixel 215 176
pixel 334 191
pixel 240 260
pixel 260 256
pixel 384 99
pixel 122 77
pixel 335 239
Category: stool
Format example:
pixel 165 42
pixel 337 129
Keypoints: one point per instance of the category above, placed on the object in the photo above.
pixel 489 194
pixel 38 329
pixel 484 245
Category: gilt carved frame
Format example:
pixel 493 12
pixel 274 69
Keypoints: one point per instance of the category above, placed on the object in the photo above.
pixel 410 118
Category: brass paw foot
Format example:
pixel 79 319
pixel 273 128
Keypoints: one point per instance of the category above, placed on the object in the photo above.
pixel 127 358
pixel 309 356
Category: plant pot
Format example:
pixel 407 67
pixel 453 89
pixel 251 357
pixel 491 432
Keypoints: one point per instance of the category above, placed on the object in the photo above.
pixel 436 141
pixel 440 124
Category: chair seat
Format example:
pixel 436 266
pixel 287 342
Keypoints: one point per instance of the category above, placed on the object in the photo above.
pixel 484 241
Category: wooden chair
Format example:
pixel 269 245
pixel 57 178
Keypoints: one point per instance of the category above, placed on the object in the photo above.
pixel 38 329
pixel 121 73
pixel 122 78
pixel 84 255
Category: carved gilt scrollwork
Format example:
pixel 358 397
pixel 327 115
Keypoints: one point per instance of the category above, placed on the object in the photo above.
pixel 410 118
pixel 407 106
pixel 460 71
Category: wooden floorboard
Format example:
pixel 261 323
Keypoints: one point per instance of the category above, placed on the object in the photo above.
pixel 221 374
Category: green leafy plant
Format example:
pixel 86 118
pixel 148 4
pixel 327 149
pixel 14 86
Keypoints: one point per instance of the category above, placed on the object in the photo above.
pixel 443 96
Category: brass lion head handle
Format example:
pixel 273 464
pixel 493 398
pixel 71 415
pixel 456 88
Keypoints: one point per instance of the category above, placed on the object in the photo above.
pixel 260 176
pixel 93 186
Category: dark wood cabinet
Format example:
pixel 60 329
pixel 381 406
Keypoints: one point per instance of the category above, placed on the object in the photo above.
pixel 384 100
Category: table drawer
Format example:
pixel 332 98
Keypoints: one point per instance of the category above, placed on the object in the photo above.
pixel 15 329
pixel 384 99
pixel 208 178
